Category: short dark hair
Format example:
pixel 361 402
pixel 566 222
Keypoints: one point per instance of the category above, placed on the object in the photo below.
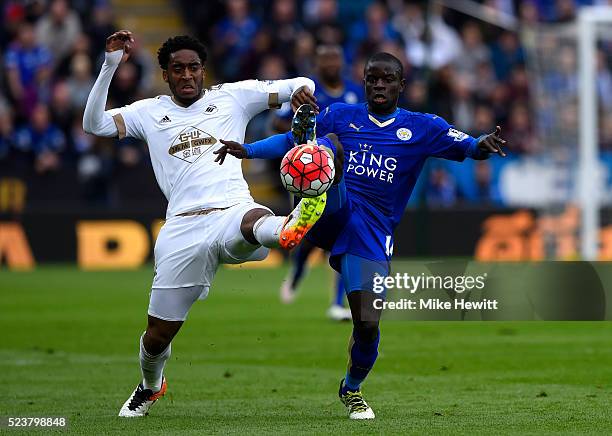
pixel 177 43
pixel 387 57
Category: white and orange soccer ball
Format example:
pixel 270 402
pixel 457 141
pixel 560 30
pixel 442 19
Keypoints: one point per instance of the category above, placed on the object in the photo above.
pixel 307 170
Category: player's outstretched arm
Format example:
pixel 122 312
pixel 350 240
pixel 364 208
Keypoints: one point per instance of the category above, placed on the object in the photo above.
pixel 268 148
pixel 255 96
pixel 492 143
pixel 95 119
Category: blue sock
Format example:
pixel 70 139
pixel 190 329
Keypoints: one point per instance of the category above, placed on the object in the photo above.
pixel 363 355
pixel 339 291
pixel 350 384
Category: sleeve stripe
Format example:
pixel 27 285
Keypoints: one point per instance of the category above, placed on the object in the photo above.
pixel 120 123
pixel 273 101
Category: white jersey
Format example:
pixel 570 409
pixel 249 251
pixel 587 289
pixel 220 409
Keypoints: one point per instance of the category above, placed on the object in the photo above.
pixel 181 141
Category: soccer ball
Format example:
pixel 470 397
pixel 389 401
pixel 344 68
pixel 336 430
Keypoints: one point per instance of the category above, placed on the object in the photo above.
pixel 307 170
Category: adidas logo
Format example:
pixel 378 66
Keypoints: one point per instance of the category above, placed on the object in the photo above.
pixel 165 120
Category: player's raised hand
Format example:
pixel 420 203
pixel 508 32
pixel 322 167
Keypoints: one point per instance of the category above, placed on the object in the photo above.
pixel 121 40
pixel 492 143
pixel 301 96
pixel 230 147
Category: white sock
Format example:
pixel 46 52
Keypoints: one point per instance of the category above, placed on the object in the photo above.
pixel 267 230
pixel 152 367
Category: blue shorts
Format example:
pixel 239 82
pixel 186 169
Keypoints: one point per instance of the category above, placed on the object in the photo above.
pixel 346 227
pixel 358 273
pixel 357 248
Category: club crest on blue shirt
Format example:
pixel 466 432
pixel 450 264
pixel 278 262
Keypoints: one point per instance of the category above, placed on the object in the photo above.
pixel 457 135
pixel 404 134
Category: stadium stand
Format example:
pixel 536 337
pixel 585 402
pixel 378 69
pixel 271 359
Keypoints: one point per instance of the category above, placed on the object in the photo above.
pixel 474 74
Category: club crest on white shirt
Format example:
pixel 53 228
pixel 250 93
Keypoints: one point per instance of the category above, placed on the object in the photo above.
pixel 190 144
pixel 211 109
pixel 404 134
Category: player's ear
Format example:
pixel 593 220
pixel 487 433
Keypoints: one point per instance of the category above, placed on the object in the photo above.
pixel 165 75
pixel 402 85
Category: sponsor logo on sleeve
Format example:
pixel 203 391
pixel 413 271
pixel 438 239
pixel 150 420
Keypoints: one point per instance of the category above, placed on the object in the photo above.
pixel 457 135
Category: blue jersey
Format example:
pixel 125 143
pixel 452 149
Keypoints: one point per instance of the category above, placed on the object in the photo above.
pixel 383 158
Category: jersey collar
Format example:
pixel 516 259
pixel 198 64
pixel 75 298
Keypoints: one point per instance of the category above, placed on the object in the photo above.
pixel 383 120
pixel 197 102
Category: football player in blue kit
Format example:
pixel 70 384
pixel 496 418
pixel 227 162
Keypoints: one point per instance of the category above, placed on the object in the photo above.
pixel 330 87
pixel 384 149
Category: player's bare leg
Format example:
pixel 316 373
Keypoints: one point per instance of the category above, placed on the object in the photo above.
pixel 338 155
pixel 155 349
pixel 270 232
pixel 260 227
pixel 159 334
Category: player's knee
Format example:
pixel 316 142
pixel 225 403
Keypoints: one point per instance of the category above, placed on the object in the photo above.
pixel 366 331
pixel 157 338
pixel 155 343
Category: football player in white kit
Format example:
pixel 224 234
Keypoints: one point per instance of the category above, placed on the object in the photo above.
pixel 211 216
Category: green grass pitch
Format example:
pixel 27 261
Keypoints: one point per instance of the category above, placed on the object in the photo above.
pixel 245 364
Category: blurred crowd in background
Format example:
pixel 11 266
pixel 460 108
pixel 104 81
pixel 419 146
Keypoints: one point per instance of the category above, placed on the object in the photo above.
pixel 474 74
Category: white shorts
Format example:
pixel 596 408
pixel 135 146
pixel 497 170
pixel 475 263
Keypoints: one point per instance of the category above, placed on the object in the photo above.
pixel 188 252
